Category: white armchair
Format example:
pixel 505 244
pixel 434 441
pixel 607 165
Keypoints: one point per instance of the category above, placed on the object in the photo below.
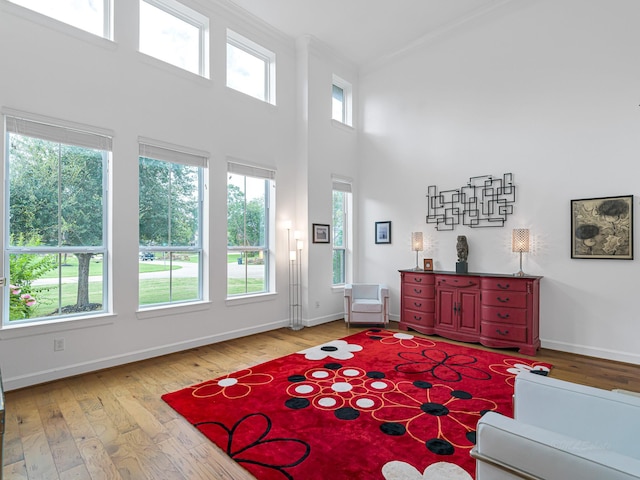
pixel 560 430
pixel 366 303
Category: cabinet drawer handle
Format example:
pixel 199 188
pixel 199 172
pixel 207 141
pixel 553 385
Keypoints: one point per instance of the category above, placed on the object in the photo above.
pixel 417 305
pixel 503 287
pixel 417 290
pixel 503 316
pixel 502 332
pixel 417 318
pixel 503 300
pixel 417 279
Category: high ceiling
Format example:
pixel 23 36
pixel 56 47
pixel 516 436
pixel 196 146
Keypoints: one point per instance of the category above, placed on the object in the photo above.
pixel 365 30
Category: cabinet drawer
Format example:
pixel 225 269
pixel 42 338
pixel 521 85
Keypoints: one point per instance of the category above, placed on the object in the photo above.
pixel 413 316
pixel 511 316
pixel 505 284
pixel 418 278
pixel 420 304
pixel 419 291
pixel 454 281
pixel 500 331
pixel 505 299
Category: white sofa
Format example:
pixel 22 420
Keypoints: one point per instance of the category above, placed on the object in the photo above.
pixel 366 303
pixel 560 430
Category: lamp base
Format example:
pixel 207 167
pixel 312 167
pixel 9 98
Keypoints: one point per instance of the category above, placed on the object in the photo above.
pixel 462 267
pixel 519 274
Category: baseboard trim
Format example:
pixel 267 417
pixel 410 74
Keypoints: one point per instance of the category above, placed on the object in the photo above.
pixel 607 354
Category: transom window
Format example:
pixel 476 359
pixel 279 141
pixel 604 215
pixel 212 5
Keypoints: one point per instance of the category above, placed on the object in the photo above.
pixel 341 101
pixel 170 226
pixel 250 68
pixel 93 16
pixel 176 34
pixel 341 231
pixel 250 202
pixel 55 245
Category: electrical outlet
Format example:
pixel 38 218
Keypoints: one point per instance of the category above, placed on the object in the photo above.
pixel 58 344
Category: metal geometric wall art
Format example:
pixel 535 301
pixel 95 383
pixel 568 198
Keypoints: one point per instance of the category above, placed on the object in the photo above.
pixel 484 201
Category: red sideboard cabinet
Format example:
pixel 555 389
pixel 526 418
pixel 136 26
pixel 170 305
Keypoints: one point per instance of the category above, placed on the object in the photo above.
pixel 495 310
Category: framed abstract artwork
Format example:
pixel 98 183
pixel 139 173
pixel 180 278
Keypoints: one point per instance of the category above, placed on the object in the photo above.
pixel 383 232
pixel 321 233
pixel 602 228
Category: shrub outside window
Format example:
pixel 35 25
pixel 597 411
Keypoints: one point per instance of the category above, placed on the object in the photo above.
pixel 341 231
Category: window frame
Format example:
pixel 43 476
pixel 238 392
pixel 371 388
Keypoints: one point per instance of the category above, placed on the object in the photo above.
pixel 176 155
pixel 345 188
pixel 347 102
pixel 268 175
pixel 67 134
pixel 261 53
pixel 189 16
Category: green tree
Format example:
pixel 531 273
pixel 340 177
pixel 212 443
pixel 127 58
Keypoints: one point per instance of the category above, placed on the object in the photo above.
pixel 245 220
pixel 56 194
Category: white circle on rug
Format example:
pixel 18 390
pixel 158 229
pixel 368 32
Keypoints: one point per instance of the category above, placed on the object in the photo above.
pixel 304 389
pixel 379 385
pixel 351 372
pixel 320 374
pixel 403 336
pixel 227 382
pixel 364 403
pixel 327 402
pixel 341 387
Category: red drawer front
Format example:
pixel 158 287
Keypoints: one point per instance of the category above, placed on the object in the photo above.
pixel 500 331
pixel 507 315
pixel 412 316
pixel 418 279
pixel 458 281
pixel 420 304
pixel 419 291
pixel 505 299
pixel 504 284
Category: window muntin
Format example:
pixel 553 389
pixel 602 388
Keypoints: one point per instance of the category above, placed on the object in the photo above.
pixel 93 16
pixel 250 68
pixel 249 218
pixel 56 229
pixel 341 101
pixel 176 34
pixel 341 231
pixel 170 226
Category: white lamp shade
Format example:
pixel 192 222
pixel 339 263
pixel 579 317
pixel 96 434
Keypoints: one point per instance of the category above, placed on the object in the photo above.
pixel 417 242
pixel 292 255
pixel 520 240
pixel 299 244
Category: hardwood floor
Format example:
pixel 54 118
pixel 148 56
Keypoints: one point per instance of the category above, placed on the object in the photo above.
pixel 112 424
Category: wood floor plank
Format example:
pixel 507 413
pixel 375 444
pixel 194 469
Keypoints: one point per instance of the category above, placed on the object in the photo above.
pixel 113 425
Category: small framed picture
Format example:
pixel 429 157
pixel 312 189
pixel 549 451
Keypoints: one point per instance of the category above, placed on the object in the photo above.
pixel 383 232
pixel 428 264
pixel 320 233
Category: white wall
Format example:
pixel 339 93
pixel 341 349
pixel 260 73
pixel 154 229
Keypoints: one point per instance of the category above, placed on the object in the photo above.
pixel 547 90
pixel 50 69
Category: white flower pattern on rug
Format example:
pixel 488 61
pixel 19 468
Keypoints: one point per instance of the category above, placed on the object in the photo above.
pixel 338 349
pixel 437 471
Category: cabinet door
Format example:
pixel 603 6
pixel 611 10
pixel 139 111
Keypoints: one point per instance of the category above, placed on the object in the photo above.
pixel 469 311
pixel 446 308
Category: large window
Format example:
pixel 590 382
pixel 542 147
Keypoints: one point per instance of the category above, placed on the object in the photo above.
pixel 341 101
pixel 250 68
pixel 170 225
pixel 55 245
pixel 250 201
pixel 176 34
pixel 341 231
pixel 93 16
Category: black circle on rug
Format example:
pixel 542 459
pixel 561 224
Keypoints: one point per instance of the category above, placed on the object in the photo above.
pixel 471 436
pixel 332 366
pixel 461 394
pixel 376 375
pixel 347 413
pixel 329 348
pixel 394 429
pixel 297 403
pixel 439 446
pixel 422 384
pixel 296 378
pixel 435 409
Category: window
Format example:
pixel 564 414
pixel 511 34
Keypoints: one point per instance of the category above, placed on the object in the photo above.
pixel 173 33
pixel 170 225
pixel 341 101
pixel 55 245
pixel 341 231
pixel 250 202
pixel 250 68
pixel 93 16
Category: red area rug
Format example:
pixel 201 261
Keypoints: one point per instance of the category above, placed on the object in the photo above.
pixel 374 405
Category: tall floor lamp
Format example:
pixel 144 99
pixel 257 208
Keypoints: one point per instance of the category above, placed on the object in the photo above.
pixel 417 245
pixel 295 281
pixel 520 244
